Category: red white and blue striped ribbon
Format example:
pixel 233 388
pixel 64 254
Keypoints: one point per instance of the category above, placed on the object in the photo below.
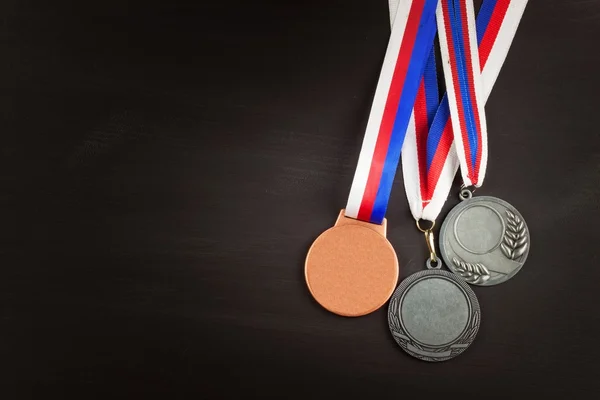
pixel 460 56
pixel 408 50
pixel 429 156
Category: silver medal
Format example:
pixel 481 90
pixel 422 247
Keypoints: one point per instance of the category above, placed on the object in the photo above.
pixel 484 240
pixel 433 315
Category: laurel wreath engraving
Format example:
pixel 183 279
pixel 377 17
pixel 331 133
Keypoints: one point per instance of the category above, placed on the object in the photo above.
pixel 472 273
pixel 403 340
pixel 471 332
pixel 516 240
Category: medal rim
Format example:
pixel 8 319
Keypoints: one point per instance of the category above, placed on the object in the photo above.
pixel 457 210
pixel 473 322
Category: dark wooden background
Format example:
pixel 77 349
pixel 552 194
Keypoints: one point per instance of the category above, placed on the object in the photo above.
pixel 164 167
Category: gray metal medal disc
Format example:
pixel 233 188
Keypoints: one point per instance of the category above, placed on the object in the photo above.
pixel 433 315
pixel 484 240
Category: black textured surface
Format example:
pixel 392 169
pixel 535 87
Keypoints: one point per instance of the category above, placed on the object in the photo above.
pixel 164 168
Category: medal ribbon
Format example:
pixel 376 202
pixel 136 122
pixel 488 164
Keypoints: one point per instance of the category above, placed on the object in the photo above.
pixel 408 50
pixel 458 44
pixel 429 156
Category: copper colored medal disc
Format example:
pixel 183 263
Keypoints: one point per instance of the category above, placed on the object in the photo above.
pixel 352 269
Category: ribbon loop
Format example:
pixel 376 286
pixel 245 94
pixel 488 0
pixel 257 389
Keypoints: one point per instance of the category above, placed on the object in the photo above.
pixel 429 169
pixel 460 55
pixel 408 50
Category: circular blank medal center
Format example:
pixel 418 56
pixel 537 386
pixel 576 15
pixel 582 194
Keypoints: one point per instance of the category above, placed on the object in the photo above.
pixel 351 270
pixel 435 311
pixel 479 229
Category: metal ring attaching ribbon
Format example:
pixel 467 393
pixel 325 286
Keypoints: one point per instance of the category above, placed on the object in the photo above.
pixel 424 230
pixel 430 240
